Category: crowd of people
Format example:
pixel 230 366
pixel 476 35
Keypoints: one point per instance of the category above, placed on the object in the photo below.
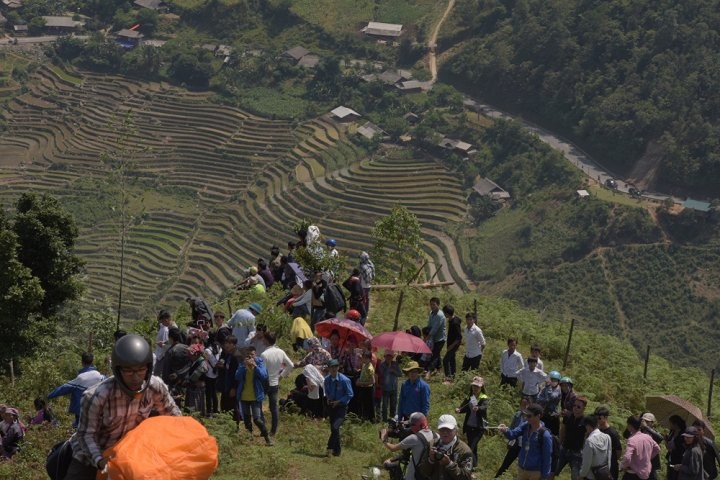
pixel 215 365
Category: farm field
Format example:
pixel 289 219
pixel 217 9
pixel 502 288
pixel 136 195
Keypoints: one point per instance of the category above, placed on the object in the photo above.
pixel 209 188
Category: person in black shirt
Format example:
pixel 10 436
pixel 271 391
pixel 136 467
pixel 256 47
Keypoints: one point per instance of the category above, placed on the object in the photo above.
pixel 572 438
pixel 603 414
pixel 454 338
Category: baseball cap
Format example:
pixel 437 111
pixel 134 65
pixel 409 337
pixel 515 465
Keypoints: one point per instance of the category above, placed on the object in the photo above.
pixel 447 421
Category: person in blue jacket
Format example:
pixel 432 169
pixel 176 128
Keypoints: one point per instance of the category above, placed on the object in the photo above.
pixel 250 376
pixel 87 377
pixel 414 393
pixel 339 392
pixel 535 458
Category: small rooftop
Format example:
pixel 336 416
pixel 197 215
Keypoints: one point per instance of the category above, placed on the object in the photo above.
pixel 488 188
pixel 370 130
pixel 61 22
pixel 127 33
pixel 381 29
pixel 309 61
pixel 698 205
pixel 151 4
pixel 344 112
pixel 296 52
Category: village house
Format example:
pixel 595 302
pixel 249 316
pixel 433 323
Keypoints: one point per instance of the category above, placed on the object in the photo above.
pixel 60 25
pixel 12 4
pixel 487 188
pixel 457 146
pixel 410 86
pixel 20 30
pixel 127 38
pixel 344 114
pixel 296 53
pixel 309 61
pixel 382 31
pixel 371 131
pixel 157 5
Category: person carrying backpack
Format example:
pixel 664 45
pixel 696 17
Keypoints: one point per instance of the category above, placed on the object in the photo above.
pixel 449 457
pixel 418 443
pixel 535 458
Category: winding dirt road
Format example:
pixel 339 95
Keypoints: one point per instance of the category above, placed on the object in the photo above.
pixel 432 42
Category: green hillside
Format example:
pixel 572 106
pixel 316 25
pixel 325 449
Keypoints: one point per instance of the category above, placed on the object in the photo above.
pixel 635 82
pixel 604 367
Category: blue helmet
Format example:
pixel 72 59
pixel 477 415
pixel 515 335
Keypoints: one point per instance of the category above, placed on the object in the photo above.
pixel 330 242
pixel 555 375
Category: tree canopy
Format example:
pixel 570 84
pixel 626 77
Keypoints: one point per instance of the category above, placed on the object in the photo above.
pixel 621 76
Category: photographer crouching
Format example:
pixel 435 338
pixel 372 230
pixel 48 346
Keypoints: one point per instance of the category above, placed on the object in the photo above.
pixel 415 441
pixel 449 457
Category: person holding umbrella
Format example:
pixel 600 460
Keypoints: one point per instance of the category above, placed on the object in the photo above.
pixel 414 393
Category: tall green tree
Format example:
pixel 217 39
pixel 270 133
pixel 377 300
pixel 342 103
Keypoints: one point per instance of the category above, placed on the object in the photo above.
pixel 397 244
pixel 46 235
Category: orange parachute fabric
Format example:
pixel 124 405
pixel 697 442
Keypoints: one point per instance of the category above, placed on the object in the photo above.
pixel 163 448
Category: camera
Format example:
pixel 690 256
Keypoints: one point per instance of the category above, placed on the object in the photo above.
pixel 398 429
pixel 437 455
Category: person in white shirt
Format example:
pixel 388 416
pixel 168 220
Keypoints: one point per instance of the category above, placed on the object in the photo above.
pixel 535 351
pixel 596 452
pixel 278 365
pixel 510 362
pixel 474 343
pixel 531 378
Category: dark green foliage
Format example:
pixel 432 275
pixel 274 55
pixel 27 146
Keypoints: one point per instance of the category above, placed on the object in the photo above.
pixel 619 75
pixel 193 68
pixel 630 225
pixel 690 226
pixel 101 53
pixel 327 81
pixel 46 236
pixel 68 48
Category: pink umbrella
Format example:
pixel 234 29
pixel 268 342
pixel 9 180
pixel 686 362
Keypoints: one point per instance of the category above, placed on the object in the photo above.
pixel 344 327
pixel 400 342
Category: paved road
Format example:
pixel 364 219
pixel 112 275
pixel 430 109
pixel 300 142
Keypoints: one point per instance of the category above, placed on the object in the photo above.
pixel 572 152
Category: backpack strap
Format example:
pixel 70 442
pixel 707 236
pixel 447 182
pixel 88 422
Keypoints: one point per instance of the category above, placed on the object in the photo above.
pixel 426 445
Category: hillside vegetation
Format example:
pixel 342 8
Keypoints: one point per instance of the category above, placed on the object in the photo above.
pixel 604 367
pixel 625 78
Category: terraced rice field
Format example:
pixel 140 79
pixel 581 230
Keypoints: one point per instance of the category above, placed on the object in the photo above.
pixel 212 187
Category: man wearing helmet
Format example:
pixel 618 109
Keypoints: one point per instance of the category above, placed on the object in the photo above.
pixel 331 244
pixel 116 405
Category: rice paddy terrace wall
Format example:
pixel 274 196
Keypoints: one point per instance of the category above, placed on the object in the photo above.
pixel 212 188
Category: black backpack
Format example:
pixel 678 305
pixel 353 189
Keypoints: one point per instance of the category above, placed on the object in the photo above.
pixel 334 299
pixel 555 455
pixel 59 459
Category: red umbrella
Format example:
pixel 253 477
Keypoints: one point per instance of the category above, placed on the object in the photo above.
pixel 400 342
pixel 344 327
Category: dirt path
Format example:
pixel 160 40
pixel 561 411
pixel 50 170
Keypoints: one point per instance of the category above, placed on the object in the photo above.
pixel 432 42
pixel 622 319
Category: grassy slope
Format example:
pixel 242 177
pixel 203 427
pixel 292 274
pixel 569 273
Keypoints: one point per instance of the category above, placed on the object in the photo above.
pixel 604 367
